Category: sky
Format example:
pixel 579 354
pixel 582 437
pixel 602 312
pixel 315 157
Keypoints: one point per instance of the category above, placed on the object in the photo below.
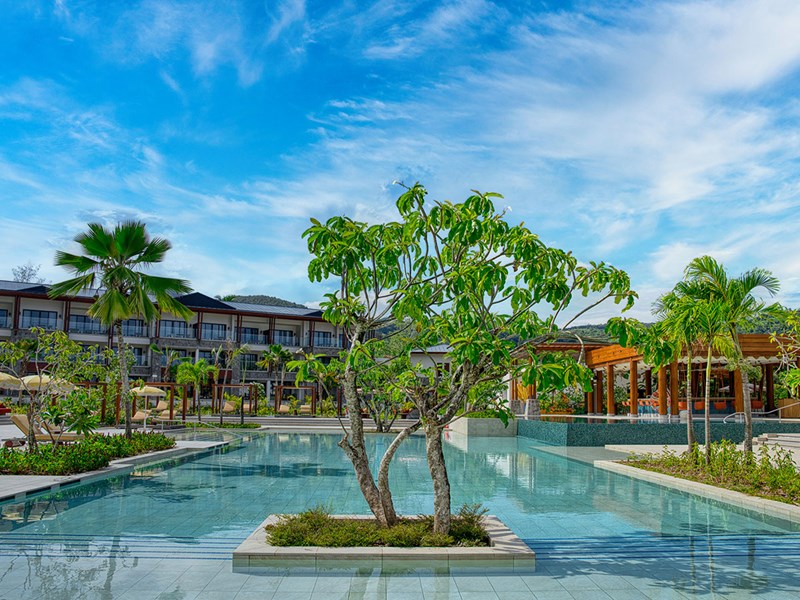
pixel 642 134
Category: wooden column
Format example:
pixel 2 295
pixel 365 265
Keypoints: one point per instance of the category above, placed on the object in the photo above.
pixel 738 391
pixel 662 390
pixel 648 383
pixel 612 407
pixel 634 385
pixel 598 395
pixel 770 387
pixel 590 401
pixel 674 388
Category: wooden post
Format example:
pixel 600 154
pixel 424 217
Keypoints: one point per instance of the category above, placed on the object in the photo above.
pixel 634 387
pixel 662 390
pixel 738 391
pixel 610 404
pixel 771 387
pixel 648 383
pixel 674 388
pixel 590 401
pixel 598 396
pixel 171 402
pixel 185 402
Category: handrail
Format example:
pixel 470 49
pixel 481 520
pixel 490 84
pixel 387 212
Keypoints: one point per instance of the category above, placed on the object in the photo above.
pixel 763 414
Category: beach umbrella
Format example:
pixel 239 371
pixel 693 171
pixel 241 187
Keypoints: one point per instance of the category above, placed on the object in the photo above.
pixel 9 382
pixel 148 390
pixel 39 383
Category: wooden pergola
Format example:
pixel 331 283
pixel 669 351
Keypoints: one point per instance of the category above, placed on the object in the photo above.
pixel 758 349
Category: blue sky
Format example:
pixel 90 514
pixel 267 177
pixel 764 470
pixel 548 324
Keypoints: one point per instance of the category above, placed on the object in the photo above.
pixel 642 134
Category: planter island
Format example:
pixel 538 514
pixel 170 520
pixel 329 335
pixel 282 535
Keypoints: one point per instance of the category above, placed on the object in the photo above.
pixel 506 554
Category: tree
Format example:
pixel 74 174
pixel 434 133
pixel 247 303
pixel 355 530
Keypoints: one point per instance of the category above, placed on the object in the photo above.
pixel 196 374
pixel 27 273
pixel 460 275
pixel 230 354
pixel 742 309
pixel 60 362
pixel 276 356
pixel 113 261
pixel 171 360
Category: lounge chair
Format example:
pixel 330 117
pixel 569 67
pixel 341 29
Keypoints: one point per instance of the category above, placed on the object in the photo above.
pixel 284 409
pixel 22 423
pixel 305 409
pixel 229 407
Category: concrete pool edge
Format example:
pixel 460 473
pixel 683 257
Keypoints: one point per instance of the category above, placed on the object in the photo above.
pixel 507 554
pixel 772 508
pixel 20 487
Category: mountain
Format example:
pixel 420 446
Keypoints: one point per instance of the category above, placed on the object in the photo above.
pixel 263 299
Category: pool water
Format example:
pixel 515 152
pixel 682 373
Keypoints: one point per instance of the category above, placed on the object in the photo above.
pixel 167 531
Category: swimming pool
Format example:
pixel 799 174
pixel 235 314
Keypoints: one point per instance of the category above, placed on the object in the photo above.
pixel 168 530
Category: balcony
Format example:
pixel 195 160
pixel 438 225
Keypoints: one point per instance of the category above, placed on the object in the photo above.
pixel 90 328
pixel 134 330
pixel 214 336
pixel 284 339
pixel 30 322
pixel 170 332
pixel 254 338
pixel 326 342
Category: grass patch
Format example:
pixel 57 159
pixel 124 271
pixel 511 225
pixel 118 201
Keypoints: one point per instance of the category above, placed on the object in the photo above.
pixel 316 527
pixel 90 454
pixel 768 473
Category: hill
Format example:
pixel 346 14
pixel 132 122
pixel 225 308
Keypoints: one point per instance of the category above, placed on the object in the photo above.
pixel 262 299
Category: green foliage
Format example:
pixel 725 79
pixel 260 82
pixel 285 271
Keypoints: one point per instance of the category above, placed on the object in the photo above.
pixel 316 527
pixel 771 473
pixel 89 454
pixel 78 411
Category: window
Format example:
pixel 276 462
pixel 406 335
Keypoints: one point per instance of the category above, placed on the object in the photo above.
pixel 175 329
pixel 134 328
pixel 284 337
pixel 139 357
pixel 5 322
pixel 46 319
pixel 85 324
pixel 207 355
pixel 175 354
pixel 213 331
pixel 248 362
pixel 96 352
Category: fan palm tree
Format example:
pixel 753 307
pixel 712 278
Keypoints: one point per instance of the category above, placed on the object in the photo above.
pixel 113 261
pixel 196 374
pixel 742 308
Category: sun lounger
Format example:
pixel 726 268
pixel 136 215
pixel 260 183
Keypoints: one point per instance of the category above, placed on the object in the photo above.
pixel 22 423
pixel 305 409
pixel 284 409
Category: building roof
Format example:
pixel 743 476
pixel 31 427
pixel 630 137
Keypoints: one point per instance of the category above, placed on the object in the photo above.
pixel 194 300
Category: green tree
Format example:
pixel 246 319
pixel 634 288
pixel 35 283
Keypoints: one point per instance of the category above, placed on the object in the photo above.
pixel 196 374
pixel 742 310
pixel 276 356
pixel 113 262
pixel 460 275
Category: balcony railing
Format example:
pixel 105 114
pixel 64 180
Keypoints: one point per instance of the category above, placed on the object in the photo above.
pixel 214 336
pixel 91 328
pixel 134 331
pixel 169 332
pixel 324 342
pixel 254 338
pixel 284 340
pixel 29 322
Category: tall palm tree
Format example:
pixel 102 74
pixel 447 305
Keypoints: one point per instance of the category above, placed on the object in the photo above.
pixel 113 261
pixel 196 374
pixel 742 308
pixel 274 357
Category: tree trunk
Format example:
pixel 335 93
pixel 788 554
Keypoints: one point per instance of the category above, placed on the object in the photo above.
pixel 708 406
pixel 383 471
pixel 355 449
pixel 748 414
pixel 123 377
pixel 689 424
pixel 441 483
pixel 31 432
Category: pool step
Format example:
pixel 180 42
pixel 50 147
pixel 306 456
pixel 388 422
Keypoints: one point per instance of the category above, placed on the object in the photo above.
pixel 785 440
pixel 144 546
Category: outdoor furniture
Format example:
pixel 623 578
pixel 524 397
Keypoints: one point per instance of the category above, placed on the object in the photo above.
pixel 229 407
pixel 24 425
pixel 305 409
pixel 284 409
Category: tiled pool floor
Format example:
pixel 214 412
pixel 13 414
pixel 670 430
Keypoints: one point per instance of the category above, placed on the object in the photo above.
pixel 169 533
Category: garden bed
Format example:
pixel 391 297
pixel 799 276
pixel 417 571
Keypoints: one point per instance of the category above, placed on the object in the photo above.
pixel 504 551
pixel 93 453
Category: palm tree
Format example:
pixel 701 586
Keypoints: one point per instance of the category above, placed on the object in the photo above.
pixel 230 353
pixel 196 374
pixel 276 355
pixel 741 308
pixel 113 261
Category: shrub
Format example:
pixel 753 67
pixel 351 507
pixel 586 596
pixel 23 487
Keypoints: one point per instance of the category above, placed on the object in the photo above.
pixel 90 454
pixel 316 527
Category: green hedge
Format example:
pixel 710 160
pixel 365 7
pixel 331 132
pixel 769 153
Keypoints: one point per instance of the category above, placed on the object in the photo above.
pixel 90 454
